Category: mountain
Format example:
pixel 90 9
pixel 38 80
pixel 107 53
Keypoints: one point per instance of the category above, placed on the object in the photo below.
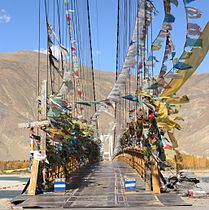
pixel 194 137
pixel 18 96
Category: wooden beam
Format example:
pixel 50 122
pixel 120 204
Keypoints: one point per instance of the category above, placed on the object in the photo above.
pixel 35 124
pixel 155 180
pixel 33 178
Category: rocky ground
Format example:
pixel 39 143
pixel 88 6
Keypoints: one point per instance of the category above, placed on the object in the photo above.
pixel 11 186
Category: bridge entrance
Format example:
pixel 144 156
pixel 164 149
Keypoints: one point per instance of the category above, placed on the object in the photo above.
pixel 102 185
pixel 107 147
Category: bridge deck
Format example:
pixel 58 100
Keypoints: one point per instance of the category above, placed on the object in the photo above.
pixel 101 185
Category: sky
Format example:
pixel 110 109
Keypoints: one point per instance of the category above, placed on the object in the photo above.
pixel 19 28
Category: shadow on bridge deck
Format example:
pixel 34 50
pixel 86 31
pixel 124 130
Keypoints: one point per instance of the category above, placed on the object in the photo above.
pixel 102 185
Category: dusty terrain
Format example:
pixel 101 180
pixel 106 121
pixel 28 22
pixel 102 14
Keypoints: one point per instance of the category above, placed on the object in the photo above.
pixel 195 130
pixel 18 81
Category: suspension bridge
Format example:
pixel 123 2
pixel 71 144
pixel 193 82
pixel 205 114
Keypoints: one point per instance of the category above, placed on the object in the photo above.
pixel 122 167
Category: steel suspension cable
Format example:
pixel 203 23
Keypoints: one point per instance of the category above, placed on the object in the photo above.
pixel 91 54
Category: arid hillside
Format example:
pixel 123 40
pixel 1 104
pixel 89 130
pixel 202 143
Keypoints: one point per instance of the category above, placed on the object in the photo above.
pixel 18 80
pixel 194 137
pixel 18 96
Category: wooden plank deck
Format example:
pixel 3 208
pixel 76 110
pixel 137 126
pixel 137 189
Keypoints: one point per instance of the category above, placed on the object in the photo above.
pixel 101 186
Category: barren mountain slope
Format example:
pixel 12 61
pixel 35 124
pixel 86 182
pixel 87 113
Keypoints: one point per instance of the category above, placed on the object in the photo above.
pixel 194 137
pixel 17 99
pixel 18 80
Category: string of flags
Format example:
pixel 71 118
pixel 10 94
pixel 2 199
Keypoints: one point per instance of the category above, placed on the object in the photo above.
pixel 75 64
pixel 165 34
pixel 130 61
pixel 193 32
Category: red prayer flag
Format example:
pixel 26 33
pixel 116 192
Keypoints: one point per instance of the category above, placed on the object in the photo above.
pixel 107 102
pixel 151 116
pixel 140 66
pixel 132 110
pixel 79 93
pixel 68 18
pixel 73 49
pixel 168 147
pixel 76 73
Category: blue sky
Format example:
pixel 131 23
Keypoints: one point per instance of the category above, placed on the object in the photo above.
pixel 19 28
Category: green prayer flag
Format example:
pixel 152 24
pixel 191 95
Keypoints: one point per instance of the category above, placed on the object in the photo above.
pixel 173 55
pixel 175 2
pixel 131 98
pixel 182 66
pixel 94 102
pixel 188 1
pixel 193 42
pixel 169 18
pixel 140 103
pixel 83 103
pixel 153 86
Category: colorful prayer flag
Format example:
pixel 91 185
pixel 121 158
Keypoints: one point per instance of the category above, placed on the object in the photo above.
pixel 131 98
pixel 173 55
pixel 186 54
pixel 73 49
pixel 175 2
pixel 172 75
pixel 182 66
pixel 193 13
pixel 153 86
pixel 164 34
pixel 152 58
pixel 169 18
pixel 107 102
pixel 188 1
pixel 193 29
pixel 193 42
pixel 167 26
pixel 157 44
pixel 68 18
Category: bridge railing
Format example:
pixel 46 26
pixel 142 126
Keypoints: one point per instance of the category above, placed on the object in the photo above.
pixel 135 158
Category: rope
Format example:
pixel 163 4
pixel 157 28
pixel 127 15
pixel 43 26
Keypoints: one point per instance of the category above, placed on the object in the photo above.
pixel 116 70
pixel 91 54
pixel 46 17
pixel 39 54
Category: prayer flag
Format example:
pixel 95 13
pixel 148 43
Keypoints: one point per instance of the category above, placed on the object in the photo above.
pixel 188 1
pixel 175 2
pixel 193 29
pixel 193 13
pixel 186 54
pixel 193 42
pixel 169 18
pixel 182 66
